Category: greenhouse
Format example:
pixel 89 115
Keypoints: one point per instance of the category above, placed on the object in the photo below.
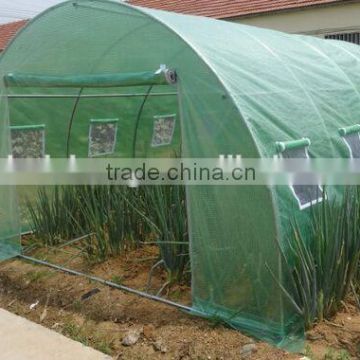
pixel 98 78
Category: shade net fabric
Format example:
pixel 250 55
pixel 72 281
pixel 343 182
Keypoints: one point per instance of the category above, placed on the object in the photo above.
pixel 240 90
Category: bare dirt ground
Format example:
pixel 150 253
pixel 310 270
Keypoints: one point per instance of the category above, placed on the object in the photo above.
pixel 62 302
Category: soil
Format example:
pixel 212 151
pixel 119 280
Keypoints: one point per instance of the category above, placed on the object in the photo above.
pixel 100 316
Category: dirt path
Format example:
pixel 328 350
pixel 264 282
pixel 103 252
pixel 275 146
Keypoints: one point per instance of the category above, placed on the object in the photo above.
pixel 56 300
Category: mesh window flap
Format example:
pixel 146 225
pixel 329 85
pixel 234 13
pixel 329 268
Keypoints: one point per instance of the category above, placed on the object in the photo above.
pixel 102 137
pixel 28 141
pixel 306 195
pixel 352 141
pixel 163 130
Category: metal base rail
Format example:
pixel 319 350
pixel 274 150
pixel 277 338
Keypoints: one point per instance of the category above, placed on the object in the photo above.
pixel 113 285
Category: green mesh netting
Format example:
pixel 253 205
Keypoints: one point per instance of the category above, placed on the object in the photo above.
pixel 240 91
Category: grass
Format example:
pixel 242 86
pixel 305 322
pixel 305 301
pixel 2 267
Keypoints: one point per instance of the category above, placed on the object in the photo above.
pixel 77 305
pixel 86 336
pixel 332 354
pixel 117 219
pixel 75 332
pixel 103 346
pixel 308 352
pixel 322 260
pixel 35 276
pixel 51 213
pixel 167 211
pixel 116 279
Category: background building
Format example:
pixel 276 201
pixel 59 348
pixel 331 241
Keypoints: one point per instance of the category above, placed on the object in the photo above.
pixel 336 19
pixel 8 31
pixel 327 18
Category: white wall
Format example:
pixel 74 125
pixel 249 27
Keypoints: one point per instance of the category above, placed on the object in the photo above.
pixel 314 21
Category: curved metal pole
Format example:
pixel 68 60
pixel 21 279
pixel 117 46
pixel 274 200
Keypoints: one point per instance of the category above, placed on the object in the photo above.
pixel 71 122
pixel 138 120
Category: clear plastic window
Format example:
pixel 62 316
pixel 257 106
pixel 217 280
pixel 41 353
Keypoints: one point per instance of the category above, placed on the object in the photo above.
pixel 352 141
pixel 102 137
pixel 163 130
pixel 306 195
pixel 28 141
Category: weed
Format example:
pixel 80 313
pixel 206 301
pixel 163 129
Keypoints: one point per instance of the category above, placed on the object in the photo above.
pixel 309 353
pixel 103 346
pixel 116 279
pixel 75 332
pixel 332 354
pixel 35 276
pixel 77 305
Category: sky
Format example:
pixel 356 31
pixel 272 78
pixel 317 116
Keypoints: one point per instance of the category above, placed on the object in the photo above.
pixel 12 10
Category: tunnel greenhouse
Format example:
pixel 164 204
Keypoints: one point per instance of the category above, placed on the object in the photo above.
pixel 212 88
